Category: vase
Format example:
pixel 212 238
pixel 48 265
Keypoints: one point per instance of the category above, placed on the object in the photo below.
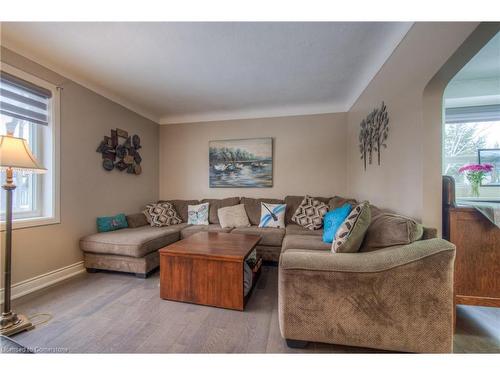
pixel 475 189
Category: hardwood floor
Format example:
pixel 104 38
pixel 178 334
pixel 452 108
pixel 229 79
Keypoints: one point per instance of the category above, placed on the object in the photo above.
pixel 117 313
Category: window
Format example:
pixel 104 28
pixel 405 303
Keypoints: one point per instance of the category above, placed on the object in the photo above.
pixel 466 131
pixel 29 109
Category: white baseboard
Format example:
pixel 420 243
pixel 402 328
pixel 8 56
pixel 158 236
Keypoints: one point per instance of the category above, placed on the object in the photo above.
pixel 42 281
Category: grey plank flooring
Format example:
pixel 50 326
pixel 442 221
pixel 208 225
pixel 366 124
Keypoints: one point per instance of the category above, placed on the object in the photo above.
pixel 118 313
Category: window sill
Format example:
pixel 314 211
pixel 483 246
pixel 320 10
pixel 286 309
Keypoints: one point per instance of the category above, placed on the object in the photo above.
pixel 31 222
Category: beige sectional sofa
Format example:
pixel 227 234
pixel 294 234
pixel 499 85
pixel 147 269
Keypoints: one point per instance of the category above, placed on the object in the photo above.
pixel 397 298
pixel 135 249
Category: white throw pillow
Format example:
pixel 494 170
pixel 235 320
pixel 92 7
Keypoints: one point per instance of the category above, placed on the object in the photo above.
pixel 198 214
pixel 233 216
pixel 272 215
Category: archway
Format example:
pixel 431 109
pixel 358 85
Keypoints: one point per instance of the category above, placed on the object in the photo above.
pixel 433 120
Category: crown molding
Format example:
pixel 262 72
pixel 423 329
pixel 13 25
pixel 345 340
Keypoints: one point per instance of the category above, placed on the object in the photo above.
pixel 298 110
pixel 16 48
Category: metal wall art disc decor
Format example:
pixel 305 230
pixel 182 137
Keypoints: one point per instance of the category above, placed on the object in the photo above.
pixel 373 134
pixel 121 156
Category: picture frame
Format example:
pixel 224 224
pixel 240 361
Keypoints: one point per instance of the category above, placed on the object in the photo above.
pixel 241 163
pixel 490 156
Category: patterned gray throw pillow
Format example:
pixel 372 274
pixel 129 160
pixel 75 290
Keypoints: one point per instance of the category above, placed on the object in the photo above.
pixel 310 213
pixel 351 233
pixel 161 214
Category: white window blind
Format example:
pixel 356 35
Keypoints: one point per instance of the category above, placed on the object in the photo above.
pixel 23 100
pixel 480 113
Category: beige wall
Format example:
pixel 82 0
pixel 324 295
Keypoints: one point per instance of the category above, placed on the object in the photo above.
pixel 413 154
pixel 87 190
pixel 309 156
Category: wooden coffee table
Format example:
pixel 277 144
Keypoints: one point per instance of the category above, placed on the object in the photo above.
pixel 207 269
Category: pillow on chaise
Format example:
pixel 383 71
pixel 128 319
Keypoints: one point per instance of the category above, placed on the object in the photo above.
pixel 233 216
pixel 198 214
pixel 272 215
pixel 351 233
pixel 110 223
pixel 388 229
pixel 333 220
pixel 161 214
pixel 310 213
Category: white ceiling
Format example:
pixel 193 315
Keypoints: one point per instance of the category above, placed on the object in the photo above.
pixel 485 64
pixel 478 82
pixel 184 72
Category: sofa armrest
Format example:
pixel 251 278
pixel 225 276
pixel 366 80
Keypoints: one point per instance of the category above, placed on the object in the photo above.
pixel 398 298
pixel 374 261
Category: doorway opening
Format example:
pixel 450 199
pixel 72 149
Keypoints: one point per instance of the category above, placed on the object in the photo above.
pixel 471 127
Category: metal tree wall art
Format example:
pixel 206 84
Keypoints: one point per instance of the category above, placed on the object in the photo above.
pixel 373 134
pixel 380 130
pixel 121 156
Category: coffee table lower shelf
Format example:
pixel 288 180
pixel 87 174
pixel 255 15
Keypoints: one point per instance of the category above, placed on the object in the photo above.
pixel 204 281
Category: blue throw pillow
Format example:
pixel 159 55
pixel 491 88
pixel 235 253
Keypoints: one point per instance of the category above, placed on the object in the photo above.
pixel 332 221
pixel 109 223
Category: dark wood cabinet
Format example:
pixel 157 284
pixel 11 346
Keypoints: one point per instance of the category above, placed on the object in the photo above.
pixel 477 263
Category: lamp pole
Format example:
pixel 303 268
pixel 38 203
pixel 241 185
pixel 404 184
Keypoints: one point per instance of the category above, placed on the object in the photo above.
pixel 8 318
pixel 10 322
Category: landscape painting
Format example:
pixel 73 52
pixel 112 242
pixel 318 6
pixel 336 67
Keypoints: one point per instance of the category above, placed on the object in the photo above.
pixel 246 163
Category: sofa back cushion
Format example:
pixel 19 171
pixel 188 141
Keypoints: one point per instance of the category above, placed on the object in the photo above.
pixel 137 220
pixel 388 229
pixel 181 206
pixel 293 202
pixel 252 207
pixel 215 204
pixel 337 202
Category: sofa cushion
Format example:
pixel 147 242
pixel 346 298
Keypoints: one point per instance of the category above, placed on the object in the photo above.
pixel 110 223
pixel 233 217
pixel 252 207
pixel 351 233
pixel 272 215
pixel 161 214
pixel 198 214
pixel 215 204
pixel 192 229
pixel 337 202
pixel 293 202
pixel 269 236
pixel 134 242
pixel 181 206
pixel 137 220
pixel 292 229
pixel 333 220
pixel 387 229
pixel 310 213
pixel 305 242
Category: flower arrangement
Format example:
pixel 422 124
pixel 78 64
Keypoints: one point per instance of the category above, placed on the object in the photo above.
pixel 475 173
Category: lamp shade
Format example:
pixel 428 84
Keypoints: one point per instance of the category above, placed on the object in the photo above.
pixel 16 154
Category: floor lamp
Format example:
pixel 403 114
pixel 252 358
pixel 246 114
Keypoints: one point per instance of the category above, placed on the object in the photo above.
pixel 15 155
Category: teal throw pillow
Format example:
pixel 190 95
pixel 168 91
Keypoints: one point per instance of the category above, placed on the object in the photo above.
pixel 109 223
pixel 332 221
